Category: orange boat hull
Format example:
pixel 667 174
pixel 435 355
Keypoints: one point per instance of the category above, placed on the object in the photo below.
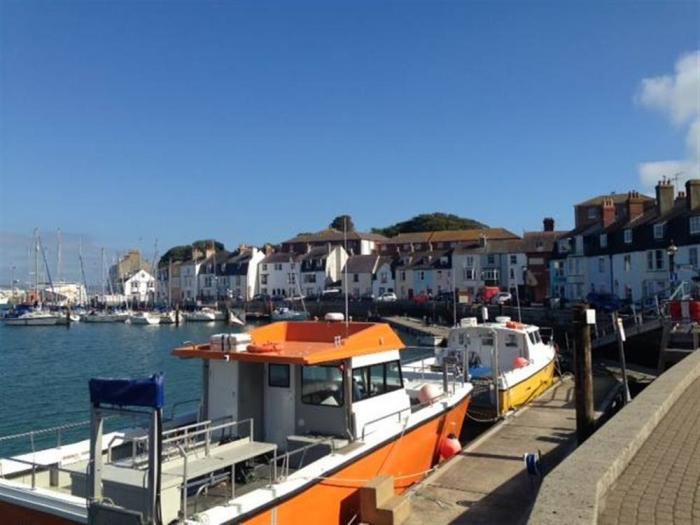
pixel 332 500
pixel 337 500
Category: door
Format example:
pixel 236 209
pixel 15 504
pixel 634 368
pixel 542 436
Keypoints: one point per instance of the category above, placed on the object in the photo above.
pixel 279 403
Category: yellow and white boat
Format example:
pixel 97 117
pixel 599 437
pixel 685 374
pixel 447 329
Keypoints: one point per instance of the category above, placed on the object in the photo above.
pixel 504 353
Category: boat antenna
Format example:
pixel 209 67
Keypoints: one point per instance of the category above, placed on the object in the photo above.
pixel 345 270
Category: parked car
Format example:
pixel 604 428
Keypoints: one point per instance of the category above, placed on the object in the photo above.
pixel 502 298
pixel 387 297
pixel 604 302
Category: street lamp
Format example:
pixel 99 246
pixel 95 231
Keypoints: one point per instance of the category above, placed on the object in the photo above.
pixel 671 251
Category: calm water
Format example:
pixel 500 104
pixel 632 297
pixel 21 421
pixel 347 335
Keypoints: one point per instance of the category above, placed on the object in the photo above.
pixel 45 370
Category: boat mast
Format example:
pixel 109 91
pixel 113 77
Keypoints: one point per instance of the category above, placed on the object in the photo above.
pixel 36 265
pixel 154 271
pixel 82 268
pixel 170 282
pixel 102 252
pixel 59 240
pixel 46 265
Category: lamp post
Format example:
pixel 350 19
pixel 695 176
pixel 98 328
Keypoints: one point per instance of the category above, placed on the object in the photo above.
pixel 671 251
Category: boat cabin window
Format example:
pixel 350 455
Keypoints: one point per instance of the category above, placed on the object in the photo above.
pixel 278 375
pixel 535 337
pixel 322 385
pixel 487 340
pixel 512 340
pixel 375 380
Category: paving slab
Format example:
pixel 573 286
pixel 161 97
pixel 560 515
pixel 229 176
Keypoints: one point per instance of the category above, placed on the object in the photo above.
pixel 487 483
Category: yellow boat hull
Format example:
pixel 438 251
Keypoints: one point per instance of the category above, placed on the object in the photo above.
pixel 527 390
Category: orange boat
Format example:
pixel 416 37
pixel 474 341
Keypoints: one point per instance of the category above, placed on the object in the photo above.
pixel 295 418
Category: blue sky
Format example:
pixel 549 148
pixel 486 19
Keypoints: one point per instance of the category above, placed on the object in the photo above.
pixel 252 121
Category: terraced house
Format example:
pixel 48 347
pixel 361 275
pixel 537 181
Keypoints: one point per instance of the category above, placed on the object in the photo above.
pixel 633 246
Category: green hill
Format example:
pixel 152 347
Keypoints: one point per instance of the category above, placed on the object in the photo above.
pixel 430 222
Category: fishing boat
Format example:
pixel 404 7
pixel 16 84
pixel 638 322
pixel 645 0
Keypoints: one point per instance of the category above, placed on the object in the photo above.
pixel 511 355
pixel 284 313
pixel 144 318
pixel 295 419
pixel 31 318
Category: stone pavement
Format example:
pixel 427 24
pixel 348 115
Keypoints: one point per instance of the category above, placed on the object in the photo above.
pixel 488 484
pixel 661 485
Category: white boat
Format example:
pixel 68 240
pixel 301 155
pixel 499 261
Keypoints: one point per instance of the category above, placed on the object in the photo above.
pixel 105 317
pixel 144 318
pixel 206 315
pixel 63 319
pixel 236 318
pixel 33 318
pixel 168 317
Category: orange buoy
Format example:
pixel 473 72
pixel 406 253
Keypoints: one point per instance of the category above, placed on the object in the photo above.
pixel 449 447
pixel 520 362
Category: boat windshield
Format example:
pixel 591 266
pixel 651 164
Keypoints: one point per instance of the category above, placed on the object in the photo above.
pixel 322 385
pixel 535 337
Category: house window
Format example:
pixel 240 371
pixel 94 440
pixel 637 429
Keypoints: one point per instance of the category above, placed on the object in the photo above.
pixel 470 261
pixel 469 274
pixel 655 260
pixel 513 259
pixel 356 277
pixel 659 231
pixel 628 236
pixel 601 264
pixel 564 245
pixel 383 278
pixel 491 259
pixel 693 256
pixel 512 273
pixel 603 240
pixel 403 276
pixel 695 225
pixel 278 266
pixel 263 278
pixel 264 267
pixel 628 263
pixel 422 276
pixel 592 213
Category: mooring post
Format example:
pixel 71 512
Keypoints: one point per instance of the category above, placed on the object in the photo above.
pixel 583 370
pixel 177 314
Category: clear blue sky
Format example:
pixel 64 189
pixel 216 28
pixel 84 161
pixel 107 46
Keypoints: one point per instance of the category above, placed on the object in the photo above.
pixel 252 121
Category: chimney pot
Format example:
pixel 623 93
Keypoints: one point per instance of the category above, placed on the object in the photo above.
pixel 548 224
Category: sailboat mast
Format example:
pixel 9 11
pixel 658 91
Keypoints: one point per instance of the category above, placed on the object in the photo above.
pixel 36 264
pixel 154 271
pixel 82 269
pixel 102 252
pixel 170 282
pixel 59 272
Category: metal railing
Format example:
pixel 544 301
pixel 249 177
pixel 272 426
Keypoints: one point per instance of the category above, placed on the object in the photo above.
pixel 276 477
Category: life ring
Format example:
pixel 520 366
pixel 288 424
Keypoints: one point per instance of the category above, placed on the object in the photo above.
pixel 263 348
pixel 515 326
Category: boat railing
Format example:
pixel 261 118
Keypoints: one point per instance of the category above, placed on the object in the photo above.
pixel 280 473
pixel 53 468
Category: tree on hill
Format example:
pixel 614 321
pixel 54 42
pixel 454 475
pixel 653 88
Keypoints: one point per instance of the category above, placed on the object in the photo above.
pixel 339 223
pixel 184 252
pixel 430 222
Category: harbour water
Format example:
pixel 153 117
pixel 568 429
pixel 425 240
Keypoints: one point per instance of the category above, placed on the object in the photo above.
pixel 45 372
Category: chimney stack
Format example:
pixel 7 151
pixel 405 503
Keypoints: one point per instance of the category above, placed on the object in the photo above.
pixel 635 205
pixel 482 240
pixel 692 193
pixel 548 223
pixel 608 211
pixel 664 196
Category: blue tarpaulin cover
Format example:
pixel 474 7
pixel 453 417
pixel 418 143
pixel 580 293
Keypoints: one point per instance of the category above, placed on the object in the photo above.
pixel 480 372
pixel 128 392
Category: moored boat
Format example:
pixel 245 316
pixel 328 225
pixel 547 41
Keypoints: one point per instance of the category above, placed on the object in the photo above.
pixel 168 317
pixel 511 355
pixel 319 409
pixel 284 313
pixel 31 318
pixel 144 318
pixel 205 315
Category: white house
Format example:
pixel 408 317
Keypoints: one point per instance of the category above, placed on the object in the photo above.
pixel 364 271
pixel 278 275
pixel 320 267
pixel 209 279
pixel 189 282
pixel 239 274
pixel 140 287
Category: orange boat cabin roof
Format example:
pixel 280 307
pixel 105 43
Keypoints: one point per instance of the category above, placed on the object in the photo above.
pixel 304 343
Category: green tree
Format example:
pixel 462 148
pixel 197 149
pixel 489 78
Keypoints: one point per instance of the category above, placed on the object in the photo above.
pixel 339 223
pixel 430 222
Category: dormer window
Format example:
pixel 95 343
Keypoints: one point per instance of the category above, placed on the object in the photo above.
pixel 628 236
pixel 564 245
pixel 603 240
pixel 592 213
pixel 659 231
